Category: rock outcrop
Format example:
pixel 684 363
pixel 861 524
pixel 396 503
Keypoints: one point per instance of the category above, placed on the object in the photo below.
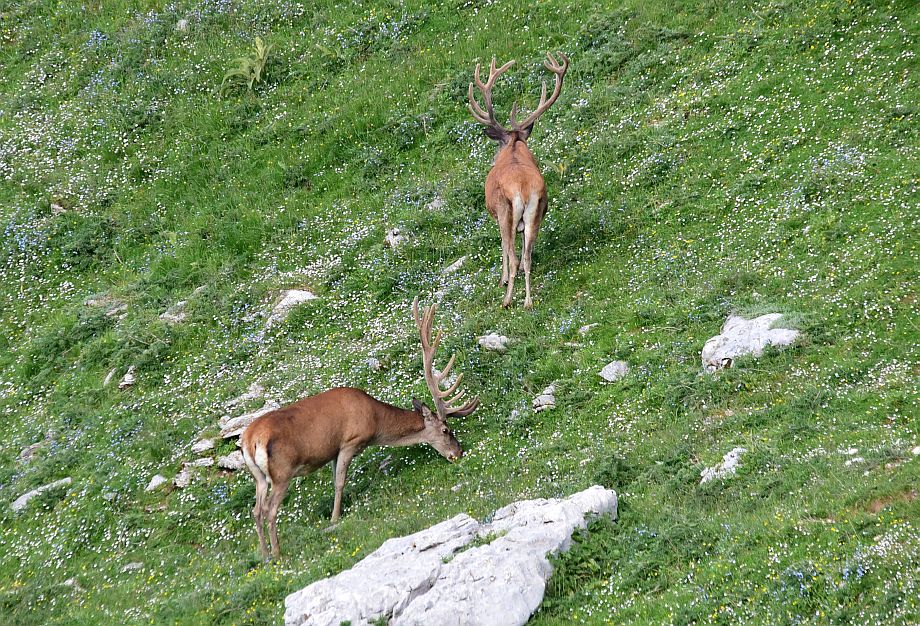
pixel 740 337
pixel 429 578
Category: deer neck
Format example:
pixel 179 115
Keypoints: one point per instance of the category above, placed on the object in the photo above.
pixel 515 152
pixel 399 427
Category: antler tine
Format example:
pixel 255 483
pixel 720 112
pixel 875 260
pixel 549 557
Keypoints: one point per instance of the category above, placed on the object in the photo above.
pixel 486 115
pixel 424 323
pixel 559 70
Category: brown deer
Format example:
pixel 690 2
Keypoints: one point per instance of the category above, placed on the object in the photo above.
pixel 515 191
pixel 336 425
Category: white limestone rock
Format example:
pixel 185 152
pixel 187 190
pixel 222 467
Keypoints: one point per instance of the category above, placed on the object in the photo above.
pixel 394 238
pixel 584 330
pixel 408 581
pixel 155 482
pixel 546 400
pixel 727 467
pixel 175 314
pixel 109 377
pixel 436 204
pixel 289 299
pixel 254 392
pixel 132 567
pixel 182 25
pixel 234 427
pixel 494 341
pixel 202 445
pixel 453 267
pixel 128 379
pixel 740 337
pixel 233 461
pixel 22 501
pixel 184 478
pixel 613 371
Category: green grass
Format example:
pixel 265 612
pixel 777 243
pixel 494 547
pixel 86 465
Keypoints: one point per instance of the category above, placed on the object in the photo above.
pixel 705 158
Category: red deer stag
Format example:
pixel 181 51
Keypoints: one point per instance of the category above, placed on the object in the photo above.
pixel 336 425
pixel 515 191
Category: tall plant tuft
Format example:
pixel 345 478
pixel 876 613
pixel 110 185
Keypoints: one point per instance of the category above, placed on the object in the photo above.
pixel 248 71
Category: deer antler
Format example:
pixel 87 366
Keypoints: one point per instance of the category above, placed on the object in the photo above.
pixel 444 408
pixel 486 116
pixel 559 70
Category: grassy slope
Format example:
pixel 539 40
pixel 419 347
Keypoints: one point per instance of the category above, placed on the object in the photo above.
pixel 714 158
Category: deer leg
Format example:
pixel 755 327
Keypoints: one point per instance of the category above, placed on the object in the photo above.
pixel 340 475
pixel 258 512
pixel 531 228
pixel 510 229
pixel 279 490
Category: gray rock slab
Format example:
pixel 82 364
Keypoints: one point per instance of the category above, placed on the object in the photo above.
pixel 22 501
pixel 289 299
pixel 233 461
pixel 727 467
pixel 384 582
pixel 425 579
pixel 494 341
pixel 236 426
pixel 613 371
pixel 155 482
pixel 740 337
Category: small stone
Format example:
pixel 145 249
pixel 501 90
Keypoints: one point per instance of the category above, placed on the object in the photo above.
pixel 175 314
pixel 182 25
pixel 128 379
pixel 57 209
pixel 394 238
pixel 132 567
pixel 202 445
pixel 457 487
pixel 613 371
pixel 20 503
pixel 456 265
pixel 183 478
pixel 546 400
pixel 73 584
pixel 109 496
pixel 255 391
pixel 727 467
pixel 109 377
pixel 289 299
pixel 584 330
pixel 374 364
pixel 494 341
pixel 436 204
pixel 233 461
pixel 118 311
pixel 27 453
pixel 204 462
pixel 915 451
pixel 155 482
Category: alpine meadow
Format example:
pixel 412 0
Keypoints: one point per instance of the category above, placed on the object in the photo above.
pixel 214 207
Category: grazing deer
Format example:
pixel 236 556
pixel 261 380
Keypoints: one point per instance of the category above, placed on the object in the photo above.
pixel 336 425
pixel 515 191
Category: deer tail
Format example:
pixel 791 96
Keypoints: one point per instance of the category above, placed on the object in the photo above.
pixel 256 452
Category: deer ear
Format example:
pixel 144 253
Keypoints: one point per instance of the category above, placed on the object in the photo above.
pixel 417 405
pixel 497 134
pixel 524 133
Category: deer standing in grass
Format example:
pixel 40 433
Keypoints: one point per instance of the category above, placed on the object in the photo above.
pixel 337 424
pixel 515 191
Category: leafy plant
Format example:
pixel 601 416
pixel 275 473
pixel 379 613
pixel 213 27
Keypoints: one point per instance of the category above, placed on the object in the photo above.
pixel 249 69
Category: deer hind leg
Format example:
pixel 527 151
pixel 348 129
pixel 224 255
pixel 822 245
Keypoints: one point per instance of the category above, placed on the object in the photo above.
pixel 279 490
pixel 517 213
pixel 261 506
pixel 532 214
pixel 340 475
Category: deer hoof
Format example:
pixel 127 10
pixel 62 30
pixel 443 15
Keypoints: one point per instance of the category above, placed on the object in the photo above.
pixel 528 304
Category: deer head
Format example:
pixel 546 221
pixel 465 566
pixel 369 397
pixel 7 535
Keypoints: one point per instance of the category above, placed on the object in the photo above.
pixel 436 427
pixel 518 130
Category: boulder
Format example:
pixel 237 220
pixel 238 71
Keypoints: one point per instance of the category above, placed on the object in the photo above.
pixel 740 336
pixel 613 371
pixel 425 578
pixel 22 501
pixel 254 391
